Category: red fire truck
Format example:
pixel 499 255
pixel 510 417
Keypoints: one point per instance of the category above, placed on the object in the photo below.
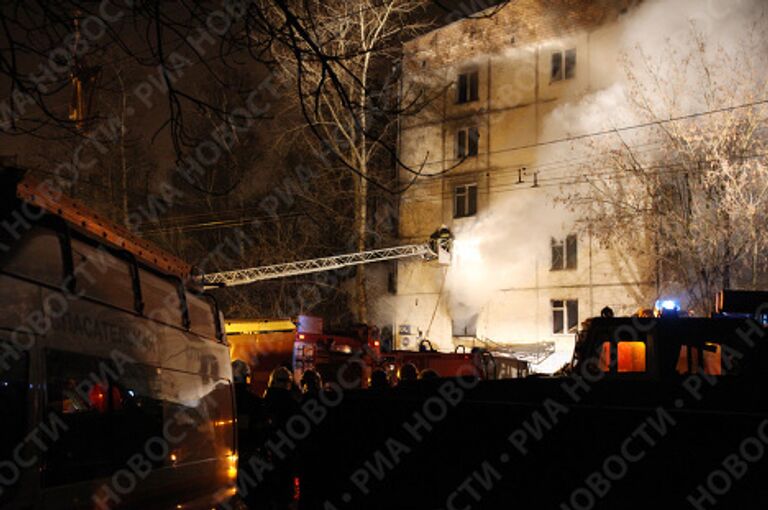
pixel 301 344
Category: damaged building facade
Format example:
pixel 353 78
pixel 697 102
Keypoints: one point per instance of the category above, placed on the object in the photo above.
pixel 497 161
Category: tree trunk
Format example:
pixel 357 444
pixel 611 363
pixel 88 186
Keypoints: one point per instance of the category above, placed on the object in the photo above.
pixel 123 159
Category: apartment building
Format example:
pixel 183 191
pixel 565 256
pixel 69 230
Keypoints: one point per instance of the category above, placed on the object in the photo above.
pixel 494 164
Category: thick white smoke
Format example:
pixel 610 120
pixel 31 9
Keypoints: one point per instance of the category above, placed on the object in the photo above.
pixel 495 251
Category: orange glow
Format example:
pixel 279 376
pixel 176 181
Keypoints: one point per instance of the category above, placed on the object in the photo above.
pixel 605 357
pixel 173 458
pixel 301 337
pixel 232 466
pixel 222 423
pixel 631 356
pixel 711 358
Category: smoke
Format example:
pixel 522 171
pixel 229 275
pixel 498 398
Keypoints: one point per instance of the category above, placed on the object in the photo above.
pixel 495 252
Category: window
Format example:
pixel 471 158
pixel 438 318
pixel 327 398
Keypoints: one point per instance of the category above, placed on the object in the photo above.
pixel 707 359
pixel 627 357
pixel 112 409
pixel 202 317
pixel 564 253
pixel 467 141
pixel 38 257
pixel 100 275
pixel 467 87
pixel 464 326
pixel 563 65
pixel 565 314
pixel 82 398
pixel 465 201
pixel 161 298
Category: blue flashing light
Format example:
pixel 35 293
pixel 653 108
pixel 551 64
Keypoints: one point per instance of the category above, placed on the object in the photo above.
pixel 669 304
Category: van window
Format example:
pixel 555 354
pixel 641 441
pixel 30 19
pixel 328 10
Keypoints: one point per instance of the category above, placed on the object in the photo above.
pixel 630 357
pixel 38 257
pixel 101 275
pixel 202 315
pixel 694 360
pixel 114 409
pixel 13 401
pixel 82 398
pixel 161 298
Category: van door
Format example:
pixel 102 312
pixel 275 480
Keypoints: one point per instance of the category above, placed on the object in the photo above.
pixel 18 455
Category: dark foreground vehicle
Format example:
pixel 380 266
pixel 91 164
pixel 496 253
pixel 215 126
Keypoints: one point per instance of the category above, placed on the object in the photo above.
pixel 665 412
pixel 115 381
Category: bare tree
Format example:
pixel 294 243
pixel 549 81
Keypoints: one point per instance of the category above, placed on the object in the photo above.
pixel 355 129
pixel 685 196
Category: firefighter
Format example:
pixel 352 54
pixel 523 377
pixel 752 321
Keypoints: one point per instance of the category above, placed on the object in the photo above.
pixel 379 380
pixel 249 411
pixel 407 374
pixel 311 384
pixel 279 407
pixel 440 237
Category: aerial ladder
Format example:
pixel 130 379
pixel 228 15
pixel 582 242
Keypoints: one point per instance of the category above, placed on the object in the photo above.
pixel 437 248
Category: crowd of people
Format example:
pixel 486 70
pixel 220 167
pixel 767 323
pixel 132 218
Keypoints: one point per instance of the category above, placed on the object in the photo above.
pixel 267 480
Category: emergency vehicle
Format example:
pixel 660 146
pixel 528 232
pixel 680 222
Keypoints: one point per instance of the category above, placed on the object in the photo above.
pixel 668 344
pixel 301 344
pixel 480 363
pixel 115 379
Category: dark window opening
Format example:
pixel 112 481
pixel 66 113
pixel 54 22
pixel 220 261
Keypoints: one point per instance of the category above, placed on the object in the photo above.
pixel 465 326
pixel 563 65
pixel 467 142
pixel 564 253
pixel 570 252
pixel 557 66
pixel 465 201
pixel 570 64
pixel 467 87
pixel 565 316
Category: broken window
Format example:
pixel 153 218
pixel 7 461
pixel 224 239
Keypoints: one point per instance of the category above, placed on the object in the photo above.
pixel 465 326
pixel 563 65
pixel 565 316
pixel 467 142
pixel 465 201
pixel 564 253
pixel 467 87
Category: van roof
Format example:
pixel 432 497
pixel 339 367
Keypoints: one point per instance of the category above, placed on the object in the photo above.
pixel 47 196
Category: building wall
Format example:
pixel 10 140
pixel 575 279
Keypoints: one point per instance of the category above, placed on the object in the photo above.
pixel 519 180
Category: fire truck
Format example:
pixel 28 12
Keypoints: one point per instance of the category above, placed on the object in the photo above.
pixel 301 344
pixel 665 399
pixel 267 344
pixel 667 344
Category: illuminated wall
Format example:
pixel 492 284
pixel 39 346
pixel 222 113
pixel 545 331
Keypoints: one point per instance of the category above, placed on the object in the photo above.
pixel 511 287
